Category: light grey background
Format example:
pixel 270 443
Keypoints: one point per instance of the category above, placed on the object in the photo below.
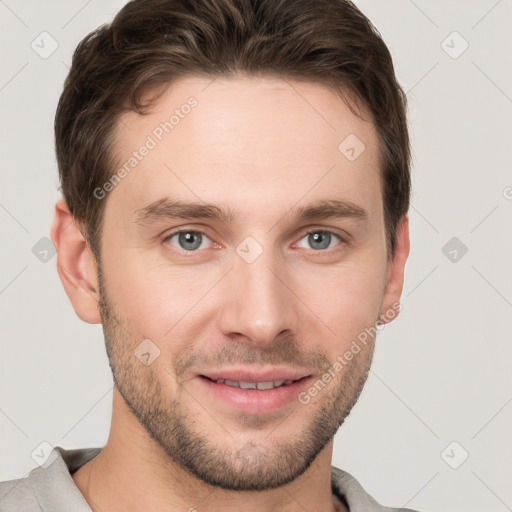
pixel 442 370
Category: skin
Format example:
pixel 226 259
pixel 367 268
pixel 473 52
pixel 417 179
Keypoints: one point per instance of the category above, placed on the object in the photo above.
pixel 263 147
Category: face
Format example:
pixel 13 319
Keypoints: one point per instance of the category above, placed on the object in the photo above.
pixel 247 251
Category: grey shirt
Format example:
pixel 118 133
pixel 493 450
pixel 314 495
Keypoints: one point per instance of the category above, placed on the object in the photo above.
pixel 51 488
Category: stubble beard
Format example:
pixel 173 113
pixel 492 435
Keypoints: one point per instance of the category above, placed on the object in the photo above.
pixel 252 466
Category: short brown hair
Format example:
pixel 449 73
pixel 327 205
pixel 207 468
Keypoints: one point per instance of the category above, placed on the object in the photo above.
pixel 151 43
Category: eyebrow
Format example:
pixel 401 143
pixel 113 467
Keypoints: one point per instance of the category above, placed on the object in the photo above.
pixel 166 208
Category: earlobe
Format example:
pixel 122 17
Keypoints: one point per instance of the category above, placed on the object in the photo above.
pixel 395 274
pixel 76 264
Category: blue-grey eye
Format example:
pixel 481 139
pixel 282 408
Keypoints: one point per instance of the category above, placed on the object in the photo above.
pixel 189 240
pixel 320 240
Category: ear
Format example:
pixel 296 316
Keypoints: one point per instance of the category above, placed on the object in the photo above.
pixel 395 275
pixel 76 265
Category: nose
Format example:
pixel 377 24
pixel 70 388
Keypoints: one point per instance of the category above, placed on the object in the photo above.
pixel 258 304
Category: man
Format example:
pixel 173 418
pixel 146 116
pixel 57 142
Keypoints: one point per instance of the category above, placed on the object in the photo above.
pixel 236 184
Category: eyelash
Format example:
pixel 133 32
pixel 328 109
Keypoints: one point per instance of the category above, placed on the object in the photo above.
pixel 317 252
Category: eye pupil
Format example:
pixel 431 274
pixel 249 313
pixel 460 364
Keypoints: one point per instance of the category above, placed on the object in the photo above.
pixel 322 238
pixel 191 238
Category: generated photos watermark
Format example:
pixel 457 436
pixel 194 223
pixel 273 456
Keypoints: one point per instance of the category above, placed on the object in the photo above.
pixel 156 136
pixel 342 360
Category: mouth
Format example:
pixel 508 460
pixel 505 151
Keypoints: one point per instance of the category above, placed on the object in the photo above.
pixel 260 386
pixel 253 393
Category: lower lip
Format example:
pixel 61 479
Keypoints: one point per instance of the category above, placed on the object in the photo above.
pixel 254 400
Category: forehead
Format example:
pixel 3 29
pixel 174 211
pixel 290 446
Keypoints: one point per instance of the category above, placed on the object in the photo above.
pixel 246 140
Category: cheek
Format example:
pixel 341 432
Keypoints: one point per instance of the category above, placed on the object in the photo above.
pixel 153 297
pixel 346 300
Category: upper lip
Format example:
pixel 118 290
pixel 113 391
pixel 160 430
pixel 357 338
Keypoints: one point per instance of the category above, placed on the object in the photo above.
pixel 268 375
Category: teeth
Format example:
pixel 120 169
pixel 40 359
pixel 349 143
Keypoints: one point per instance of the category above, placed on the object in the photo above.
pixel 265 385
pixel 255 385
pixel 247 385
